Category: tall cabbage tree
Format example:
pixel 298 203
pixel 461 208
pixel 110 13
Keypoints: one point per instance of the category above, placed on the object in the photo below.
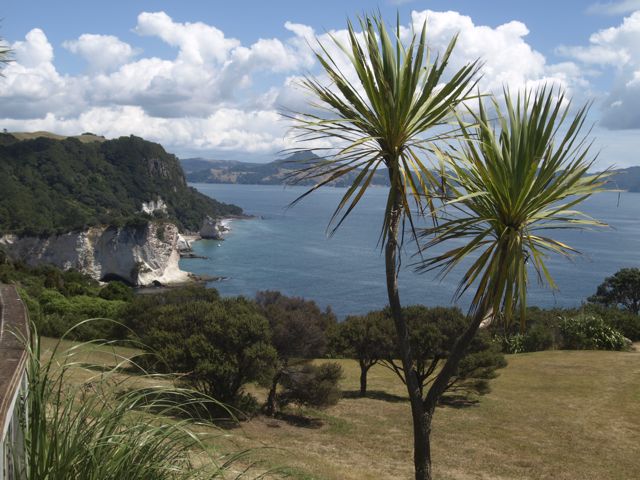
pixel 385 114
pixel 515 182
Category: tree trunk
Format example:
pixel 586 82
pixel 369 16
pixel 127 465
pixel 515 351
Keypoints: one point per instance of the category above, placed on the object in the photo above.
pixel 421 424
pixel 271 407
pixel 363 379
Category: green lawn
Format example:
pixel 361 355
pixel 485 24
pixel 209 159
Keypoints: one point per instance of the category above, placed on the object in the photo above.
pixel 550 415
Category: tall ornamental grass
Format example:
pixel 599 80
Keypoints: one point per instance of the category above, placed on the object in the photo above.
pixel 110 427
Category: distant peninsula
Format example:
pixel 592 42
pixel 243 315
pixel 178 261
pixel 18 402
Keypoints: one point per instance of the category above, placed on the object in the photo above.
pixel 279 172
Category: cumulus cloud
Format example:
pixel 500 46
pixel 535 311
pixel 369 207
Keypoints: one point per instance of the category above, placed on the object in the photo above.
pixel 102 52
pixel 616 49
pixel 614 8
pixel 209 93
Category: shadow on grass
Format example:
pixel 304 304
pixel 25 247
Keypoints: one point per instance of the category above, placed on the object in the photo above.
pixel 457 401
pixel 375 395
pixel 189 407
pixel 297 420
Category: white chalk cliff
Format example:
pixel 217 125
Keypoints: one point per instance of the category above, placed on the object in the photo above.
pixel 140 255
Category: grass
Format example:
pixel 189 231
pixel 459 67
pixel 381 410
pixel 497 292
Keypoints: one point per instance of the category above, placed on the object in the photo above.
pixel 31 135
pixel 550 415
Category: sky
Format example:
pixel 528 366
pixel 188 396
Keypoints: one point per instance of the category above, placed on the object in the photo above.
pixel 209 78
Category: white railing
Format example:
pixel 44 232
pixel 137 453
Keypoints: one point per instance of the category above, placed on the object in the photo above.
pixel 14 330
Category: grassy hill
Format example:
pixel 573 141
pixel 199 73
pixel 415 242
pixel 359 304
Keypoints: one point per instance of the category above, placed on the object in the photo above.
pixel 556 415
pixel 54 184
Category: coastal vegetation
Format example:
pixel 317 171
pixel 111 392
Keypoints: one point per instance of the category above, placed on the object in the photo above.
pixel 55 186
pixel 318 402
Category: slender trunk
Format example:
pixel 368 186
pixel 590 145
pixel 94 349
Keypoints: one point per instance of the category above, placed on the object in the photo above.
pixel 421 424
pixel 271 407
pixel 364 368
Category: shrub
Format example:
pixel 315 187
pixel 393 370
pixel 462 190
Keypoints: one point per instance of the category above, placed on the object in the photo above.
pixel 512 343
pixel 624 321
pixel 433 332
pixel 312 385
pixel 116 291
pixel 589 332
pixel 537 338
pixel 218 346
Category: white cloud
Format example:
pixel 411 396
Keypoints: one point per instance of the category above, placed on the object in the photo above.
pixel 616 48
pixel 209 93
pixel 198 42
pixel 614 8
pixel 34 51
pixel 102 52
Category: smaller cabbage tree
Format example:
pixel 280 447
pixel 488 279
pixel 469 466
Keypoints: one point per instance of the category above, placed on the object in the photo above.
pixel 516 180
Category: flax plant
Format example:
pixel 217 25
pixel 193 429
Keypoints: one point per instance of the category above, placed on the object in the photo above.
pixel 102 429
pixel 387 113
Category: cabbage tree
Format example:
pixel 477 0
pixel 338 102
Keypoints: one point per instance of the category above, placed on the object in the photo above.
pixel 384 114
pixel 515 182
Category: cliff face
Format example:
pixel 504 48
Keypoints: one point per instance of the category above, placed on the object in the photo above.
pixel 140 255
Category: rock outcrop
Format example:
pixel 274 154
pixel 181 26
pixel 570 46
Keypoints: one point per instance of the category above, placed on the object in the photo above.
pixel 140 255
pixel 213 229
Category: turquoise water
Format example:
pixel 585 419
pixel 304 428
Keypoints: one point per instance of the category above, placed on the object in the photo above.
pixel 288 250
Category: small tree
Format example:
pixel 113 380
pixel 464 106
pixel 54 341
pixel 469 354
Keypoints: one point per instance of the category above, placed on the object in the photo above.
pixel 367 338
pixel 218 345
pixel 622 289
pixel 298 332
pixel 315 386
pixel 433 333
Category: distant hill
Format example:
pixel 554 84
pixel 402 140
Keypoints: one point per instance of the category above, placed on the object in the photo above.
pixel 625 179
pixel 54 184
pixel 277 172
pixel 200 170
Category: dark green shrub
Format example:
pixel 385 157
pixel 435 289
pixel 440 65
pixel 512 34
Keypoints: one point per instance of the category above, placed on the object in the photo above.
pixel 588 332
pixel 537 338
pixel 116 291
pixel 433 332
pixel 312 385
pixel 219 346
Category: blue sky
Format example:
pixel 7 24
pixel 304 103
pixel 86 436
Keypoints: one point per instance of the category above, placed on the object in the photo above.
pixel 207 78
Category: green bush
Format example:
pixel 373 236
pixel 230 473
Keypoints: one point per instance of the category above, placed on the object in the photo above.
pixel 312 385
pixel 624 321
pixel 512 343
pixel 589 332
pixel 116 291
pixel 537 338
pixel 218 345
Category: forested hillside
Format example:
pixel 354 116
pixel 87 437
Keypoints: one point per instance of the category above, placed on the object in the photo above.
pixel 53 186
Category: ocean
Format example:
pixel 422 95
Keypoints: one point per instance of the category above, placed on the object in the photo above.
pixel 288 249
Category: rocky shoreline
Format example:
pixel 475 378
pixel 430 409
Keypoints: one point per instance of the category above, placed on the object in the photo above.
pixel 141 255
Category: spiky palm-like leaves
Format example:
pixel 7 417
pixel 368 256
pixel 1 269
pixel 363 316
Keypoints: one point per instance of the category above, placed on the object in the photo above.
pixel 517 179
pixel 387 115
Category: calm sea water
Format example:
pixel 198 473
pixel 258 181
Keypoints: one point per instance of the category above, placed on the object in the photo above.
pixel 288 250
